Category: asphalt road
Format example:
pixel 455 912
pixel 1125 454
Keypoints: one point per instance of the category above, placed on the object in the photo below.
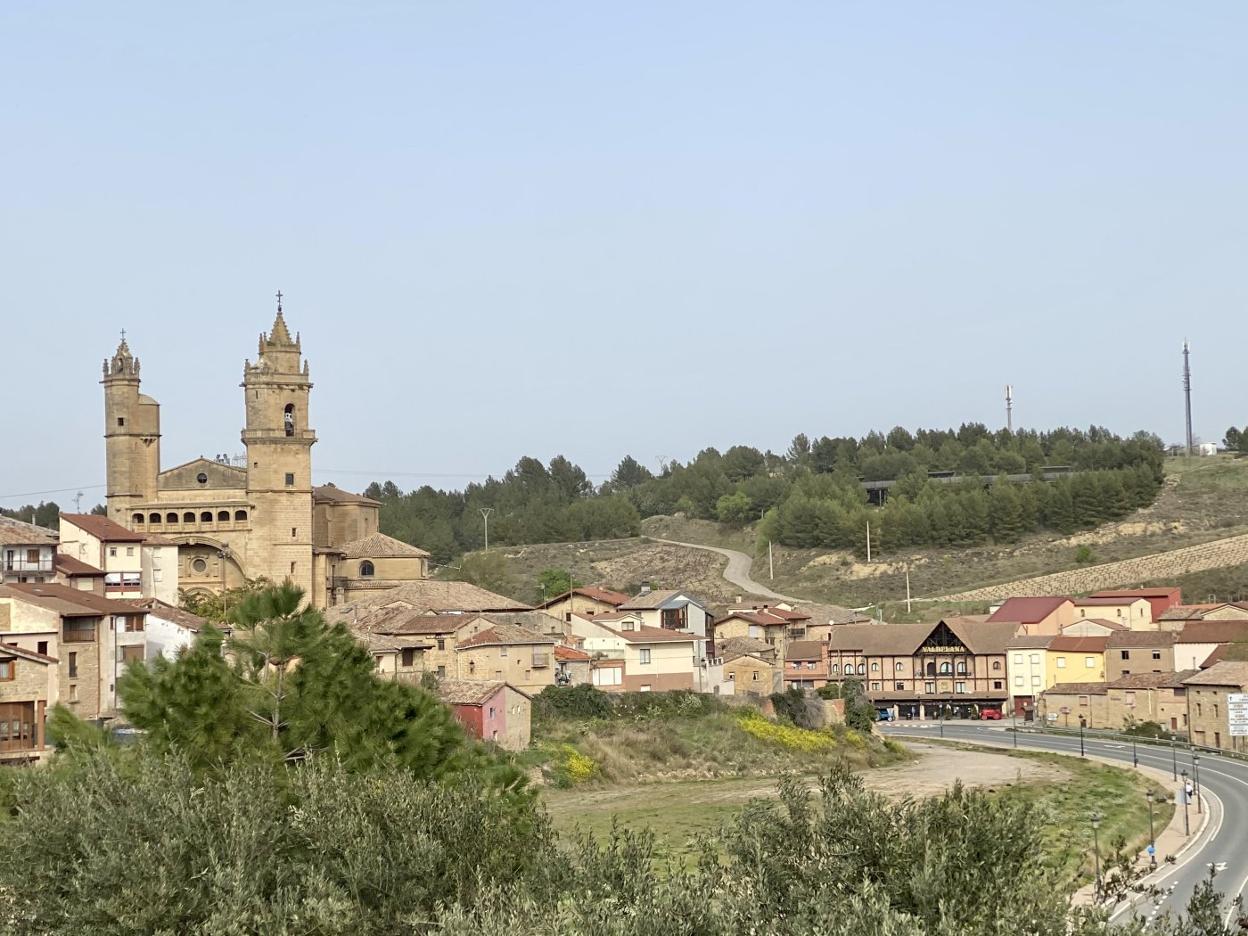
pixel 1223 781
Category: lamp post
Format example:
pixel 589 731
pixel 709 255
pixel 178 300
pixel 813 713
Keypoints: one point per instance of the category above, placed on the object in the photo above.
pixel 1014 720
pixel 1096 854
pixel 1187 826
pixel 942 718
pixel 1152 835
pixel 1081 723
pixel 1135 758
pixel 1196 781
pixel 1174 761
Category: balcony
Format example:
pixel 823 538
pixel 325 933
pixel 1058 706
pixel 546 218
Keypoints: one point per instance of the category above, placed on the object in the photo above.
pixel 18 564
pixel 541 660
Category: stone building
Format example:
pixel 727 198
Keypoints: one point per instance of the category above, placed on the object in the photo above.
pixel 261 519
pixel 1208 704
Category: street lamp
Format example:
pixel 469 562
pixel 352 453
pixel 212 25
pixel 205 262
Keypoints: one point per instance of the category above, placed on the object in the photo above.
pixel 1081 723
pixel 1096 854
pixel 1135 758
pixel 1196 782
pixel 1014 720
pixel 1187 827
pixel 942 718
pixel 1152 835
pixel 1174 760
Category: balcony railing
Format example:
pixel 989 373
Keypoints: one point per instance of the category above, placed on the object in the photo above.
pixel 17 564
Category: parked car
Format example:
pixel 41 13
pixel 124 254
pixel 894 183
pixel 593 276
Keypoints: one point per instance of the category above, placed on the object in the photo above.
pixel 990 714
pixel 884 714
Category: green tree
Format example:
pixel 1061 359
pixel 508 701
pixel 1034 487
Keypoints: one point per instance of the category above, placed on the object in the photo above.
pixel 552 582
pixel 486 570
pixel 734 508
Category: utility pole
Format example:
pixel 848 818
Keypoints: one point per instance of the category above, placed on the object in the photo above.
pixel 78 502
pixel 771 565
pixel 868 541
pixel 1187 394
pixel 1009 408
pixel 485 513
pixel 907 589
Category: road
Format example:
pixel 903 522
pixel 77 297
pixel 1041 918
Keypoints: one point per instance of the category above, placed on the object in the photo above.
pixel 1223 779
pixel 737 571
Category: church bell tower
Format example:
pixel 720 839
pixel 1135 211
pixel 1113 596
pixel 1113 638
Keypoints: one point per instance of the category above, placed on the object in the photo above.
pixel 279 457
pixel 131 436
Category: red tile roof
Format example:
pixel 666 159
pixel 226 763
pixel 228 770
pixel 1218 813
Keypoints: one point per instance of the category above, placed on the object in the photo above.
pixel 103 529
pixel 72 567
pixel 1128 640
pixel 570 654
pixel 645 634
pixel 1028 610
pixel 505 635
pixel 69 602
pixel 1106 601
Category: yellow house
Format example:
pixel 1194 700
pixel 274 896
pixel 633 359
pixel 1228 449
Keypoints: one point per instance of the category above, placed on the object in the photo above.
pixel 586 601
pixel 1075 660
pixel 510 653
pixel 750 674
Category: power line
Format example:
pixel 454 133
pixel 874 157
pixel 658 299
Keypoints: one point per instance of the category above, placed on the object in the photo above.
pixel 76 487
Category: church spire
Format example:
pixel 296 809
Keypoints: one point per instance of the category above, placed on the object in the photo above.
pixel 280 334
pixel 123 363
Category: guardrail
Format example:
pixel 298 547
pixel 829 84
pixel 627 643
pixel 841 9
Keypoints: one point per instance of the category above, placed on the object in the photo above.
pixel 1176 744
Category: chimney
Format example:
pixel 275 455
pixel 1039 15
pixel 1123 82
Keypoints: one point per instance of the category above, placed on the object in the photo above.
pixel 645 589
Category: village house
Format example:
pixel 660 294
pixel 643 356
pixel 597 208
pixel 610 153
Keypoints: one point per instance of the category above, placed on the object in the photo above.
pixel 1207 702
pixel 134 564
pixel 1045 614
pixel 1027 671
pixel 735 646
pixel 1135 613
pixel 1176 616
pixel 673 610
pixel 491 710
pixel 806 664
pixel 1067 705
pixel 28 688
pixel 1160 599
pixel 1200 639
pixel 91 638
pixel 26 552
pixel 572 666
pixel 751 675
pixel 584 600
pixel 1092 627
pixel 510 653
pixel 1133 651
pixel 921 669
pixel 654 659
pixel 1149 697
pixel 1076 659
pixel 774 625
pixel 78 575
pixel 169 630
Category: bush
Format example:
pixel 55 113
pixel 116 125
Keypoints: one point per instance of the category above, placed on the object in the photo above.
pixel 583 701
pixel 829 691
pixel 1146 729
pixel 789 736
pixel 796 706
pixel 859 712
pixel 1084 555
pixel 586 702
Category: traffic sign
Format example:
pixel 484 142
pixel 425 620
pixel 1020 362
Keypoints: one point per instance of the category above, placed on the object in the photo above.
pixel 1237 714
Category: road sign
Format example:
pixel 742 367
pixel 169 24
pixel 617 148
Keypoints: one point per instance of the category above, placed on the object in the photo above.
pixel 1065 710
pixel 1237 714
pixel 1152 849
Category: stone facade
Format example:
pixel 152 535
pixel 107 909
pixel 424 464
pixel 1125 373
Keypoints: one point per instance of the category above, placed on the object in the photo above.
pixel 262 519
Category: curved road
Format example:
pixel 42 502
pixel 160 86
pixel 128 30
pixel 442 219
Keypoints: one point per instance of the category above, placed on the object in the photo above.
pixel 738 570
pixel 1224 779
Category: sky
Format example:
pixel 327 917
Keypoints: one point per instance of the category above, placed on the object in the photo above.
pixel 593 229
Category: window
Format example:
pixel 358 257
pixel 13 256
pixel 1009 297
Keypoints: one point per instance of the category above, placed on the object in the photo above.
pixel 171 517
pixel 294 531
pixel 138 519
pixel 836 668
pixel 1126 654
pixel 73 664
pixel 862 669
pixel 996 684
pixel 1018 659
pixel 753 675
pixel 946 668
pixel 502 651
pixel 112 552
pixel 1198 710
pixel 645 654
pixel 201 478
pixel 153 518
pixel 240 516
pixel 223 516
pixel 961 667
pixel 929 687
pixel 675 618
pixel 409 657
pixel 43 647
pixel 8 670
pixel 1156 654
pixel 472 667
pixel 1035 659
pixel 1061 662
pixel 121 420
pixel 1018 681
pixel 875 667
pixel 1035 680
pixel 292 568
pixel 442 644
pixel 491 711
pixel 73 692
pixel 288 419
pixel 199 565
pixel 78 631
pixel 1215 709
pixel 875 687
pixel 960 687
pixel 901 687
pixel 134 624
pixel 290 479
pixel 366 569
pixel 897 667
pixel 205 517
pixel 996 664
pixel 1083 700
pixel 131 654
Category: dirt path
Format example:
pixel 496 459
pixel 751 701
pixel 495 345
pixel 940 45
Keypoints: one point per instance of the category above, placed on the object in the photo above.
pixel 737 572
pixel 934 771
pixel 1165 565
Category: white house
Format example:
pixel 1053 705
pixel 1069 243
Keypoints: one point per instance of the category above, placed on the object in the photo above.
pixel 672 610
pixel 169 629
pixel 135 565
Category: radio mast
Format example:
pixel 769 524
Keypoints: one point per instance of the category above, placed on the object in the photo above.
pixel 1009 407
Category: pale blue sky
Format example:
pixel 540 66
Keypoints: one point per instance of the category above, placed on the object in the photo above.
pixel 592 229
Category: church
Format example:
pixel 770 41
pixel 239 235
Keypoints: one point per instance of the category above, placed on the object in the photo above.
pixel 263 519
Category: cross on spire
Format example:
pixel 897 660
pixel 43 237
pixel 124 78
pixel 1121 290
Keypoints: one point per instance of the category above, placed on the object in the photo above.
pixel 279 300
pixel 123 334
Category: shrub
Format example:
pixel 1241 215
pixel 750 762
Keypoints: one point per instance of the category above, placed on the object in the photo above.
pixel 799 708
pixel 789 736
pixel 829 691
pixel 1084 555
pixel 571 767
pixel 583 701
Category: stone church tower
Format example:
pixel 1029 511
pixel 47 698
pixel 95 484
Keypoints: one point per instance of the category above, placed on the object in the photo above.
pixel 279 456
pixel 262 519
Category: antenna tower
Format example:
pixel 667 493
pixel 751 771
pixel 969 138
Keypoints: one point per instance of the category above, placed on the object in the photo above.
pixel 1187 393
pixel 1009 407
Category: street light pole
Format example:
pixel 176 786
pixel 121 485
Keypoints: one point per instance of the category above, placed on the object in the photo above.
pixel 1096 854
pixel 1081 751
pixel 1187 826
pixel 1196 782
pixel 1135 758
pixel 1152 835
pixel 1014 721
pixel 1174 761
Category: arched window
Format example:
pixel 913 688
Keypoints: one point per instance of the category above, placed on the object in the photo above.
pixel 996 664
pixel 946 668
pixel 836 668
pixel 962 667
pixel 898 667
pixel 154 518
pixel 206 517
pixel 223 516
pixel 171 517
pixel 862 669
pixel 875 667
pixel 240 516
pixel 188 517
pixel 137 518
pixel 366 569
pixel 931 668
pixel 288 419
